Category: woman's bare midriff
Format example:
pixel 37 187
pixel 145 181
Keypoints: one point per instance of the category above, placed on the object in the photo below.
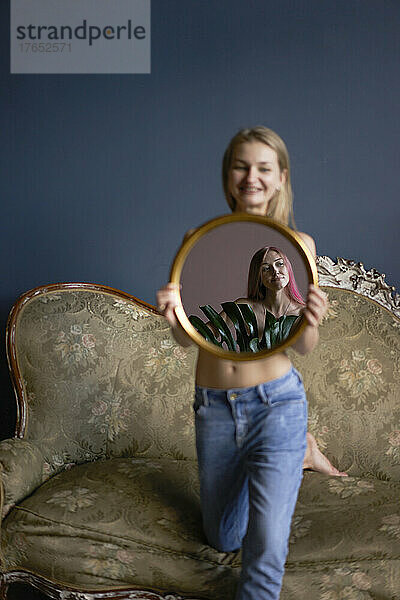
pixel 213 372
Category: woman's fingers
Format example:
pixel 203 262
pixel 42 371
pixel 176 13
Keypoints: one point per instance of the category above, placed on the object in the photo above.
pixel 316 306
pixel 167 299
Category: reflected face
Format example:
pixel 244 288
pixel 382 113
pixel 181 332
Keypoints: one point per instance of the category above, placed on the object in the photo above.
pixel 273 273
pixel 254 177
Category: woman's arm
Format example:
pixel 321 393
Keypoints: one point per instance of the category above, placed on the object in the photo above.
pixel 314 459
pixel 315 309
pixel 168 299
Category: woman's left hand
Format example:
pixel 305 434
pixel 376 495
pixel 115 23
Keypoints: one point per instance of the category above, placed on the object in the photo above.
pixel 316 306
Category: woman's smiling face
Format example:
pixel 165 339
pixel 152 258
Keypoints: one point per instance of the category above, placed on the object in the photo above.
pixel 254 177
pixel 273 272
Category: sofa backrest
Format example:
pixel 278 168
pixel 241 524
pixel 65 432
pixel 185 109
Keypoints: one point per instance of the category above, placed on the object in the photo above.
pixel 98 375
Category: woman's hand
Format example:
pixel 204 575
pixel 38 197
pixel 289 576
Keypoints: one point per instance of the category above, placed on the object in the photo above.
pixel 314 311
pixel 168 299
pixel 316 306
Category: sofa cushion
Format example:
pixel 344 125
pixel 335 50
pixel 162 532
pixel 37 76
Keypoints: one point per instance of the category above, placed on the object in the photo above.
pixel 137 522
pixel 116 523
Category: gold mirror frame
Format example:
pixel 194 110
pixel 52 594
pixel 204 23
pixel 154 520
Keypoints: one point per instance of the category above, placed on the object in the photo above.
pixel 182 254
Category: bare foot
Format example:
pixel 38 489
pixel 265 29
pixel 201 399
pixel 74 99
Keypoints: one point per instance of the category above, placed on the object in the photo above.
pixel 316 461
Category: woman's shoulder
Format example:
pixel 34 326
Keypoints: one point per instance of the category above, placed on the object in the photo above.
pixel 308 240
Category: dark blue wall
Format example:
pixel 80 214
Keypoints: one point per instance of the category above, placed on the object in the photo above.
pixel 102 174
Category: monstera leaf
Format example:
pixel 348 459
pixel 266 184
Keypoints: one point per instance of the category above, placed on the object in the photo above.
pixel 245 327
pixel 219 324
pixel 276 330
pixel 218 332
pixel 205 331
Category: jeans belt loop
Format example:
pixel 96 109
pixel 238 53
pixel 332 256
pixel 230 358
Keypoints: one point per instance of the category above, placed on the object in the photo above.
pixel 206 401
pixel 263 394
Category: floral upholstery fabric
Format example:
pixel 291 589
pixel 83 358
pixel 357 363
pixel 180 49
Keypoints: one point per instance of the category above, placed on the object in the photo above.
pixel 79 530
pixel 21 470
pixel 352 381
pixel 104 486
pixel 103 378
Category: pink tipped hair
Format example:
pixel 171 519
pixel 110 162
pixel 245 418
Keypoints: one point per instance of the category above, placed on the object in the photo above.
pixel 292 289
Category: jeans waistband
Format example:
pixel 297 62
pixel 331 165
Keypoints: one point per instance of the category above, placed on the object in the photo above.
pixel 267 387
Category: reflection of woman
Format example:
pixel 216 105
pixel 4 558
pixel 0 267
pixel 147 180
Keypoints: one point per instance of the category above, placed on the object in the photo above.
pixel 251 416
pixel 270 277
pixel 271 282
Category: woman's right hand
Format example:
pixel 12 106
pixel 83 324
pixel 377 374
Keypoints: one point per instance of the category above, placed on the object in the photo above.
pixel 168 299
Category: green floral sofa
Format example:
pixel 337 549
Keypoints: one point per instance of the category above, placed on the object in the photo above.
pixel 99 490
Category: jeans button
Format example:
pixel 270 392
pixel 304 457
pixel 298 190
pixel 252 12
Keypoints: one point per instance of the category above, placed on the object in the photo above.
pixel 233 396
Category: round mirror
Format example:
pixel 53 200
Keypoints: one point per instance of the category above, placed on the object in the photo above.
pixel 231 270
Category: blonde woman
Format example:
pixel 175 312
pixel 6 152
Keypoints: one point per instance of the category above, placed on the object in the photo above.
pixel 251 416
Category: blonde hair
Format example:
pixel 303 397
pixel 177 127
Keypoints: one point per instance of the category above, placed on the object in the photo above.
pixel 281 205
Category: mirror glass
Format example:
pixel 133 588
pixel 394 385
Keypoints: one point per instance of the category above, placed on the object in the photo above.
pixel 224 310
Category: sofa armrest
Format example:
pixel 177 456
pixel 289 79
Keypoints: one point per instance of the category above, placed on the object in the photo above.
pixel 21 471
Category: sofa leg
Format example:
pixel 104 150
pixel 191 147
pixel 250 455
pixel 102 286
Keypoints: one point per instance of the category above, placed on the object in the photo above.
pixel 3 589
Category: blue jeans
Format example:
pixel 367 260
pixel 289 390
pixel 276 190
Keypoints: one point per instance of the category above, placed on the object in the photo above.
pixel 250 446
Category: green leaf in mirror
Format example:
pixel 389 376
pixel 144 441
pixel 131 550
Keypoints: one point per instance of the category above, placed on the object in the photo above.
pixel 244 322
pixel 276 330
